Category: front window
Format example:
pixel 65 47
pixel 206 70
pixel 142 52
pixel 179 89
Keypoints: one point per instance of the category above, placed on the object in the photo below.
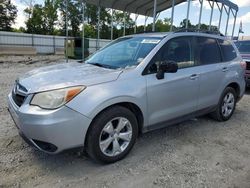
pixel 124 52
pixel 178 50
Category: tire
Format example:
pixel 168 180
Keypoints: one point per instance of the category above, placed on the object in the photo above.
pixel 112 135
pixel 226 106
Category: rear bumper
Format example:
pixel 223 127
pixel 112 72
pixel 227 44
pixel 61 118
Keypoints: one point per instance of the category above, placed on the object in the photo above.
pixel 51 131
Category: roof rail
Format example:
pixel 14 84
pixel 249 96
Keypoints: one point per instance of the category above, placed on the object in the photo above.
pixel 200 31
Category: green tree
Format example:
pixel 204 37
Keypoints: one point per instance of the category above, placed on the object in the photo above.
pixel 74 17
pixel 8 13
pixel 50 16
pixel 19 30
pixel 91 18
pixel 35 24
pixel 89 31
pixel 205 27
pixel 42 19
pixel 183 24
pixel 30 4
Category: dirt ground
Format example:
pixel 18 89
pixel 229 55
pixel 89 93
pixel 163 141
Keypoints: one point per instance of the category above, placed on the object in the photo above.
pixel 197 153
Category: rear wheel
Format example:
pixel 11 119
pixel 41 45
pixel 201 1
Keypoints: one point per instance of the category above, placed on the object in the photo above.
pixel 226 105
pixel 112 134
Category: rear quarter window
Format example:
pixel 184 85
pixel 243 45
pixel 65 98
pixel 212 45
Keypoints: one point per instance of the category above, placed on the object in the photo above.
pixel 227 50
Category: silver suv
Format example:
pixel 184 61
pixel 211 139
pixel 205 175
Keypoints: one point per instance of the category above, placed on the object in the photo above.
pixel 135 84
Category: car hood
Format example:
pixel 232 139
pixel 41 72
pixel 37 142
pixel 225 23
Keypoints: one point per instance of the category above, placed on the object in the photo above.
pixel 66 75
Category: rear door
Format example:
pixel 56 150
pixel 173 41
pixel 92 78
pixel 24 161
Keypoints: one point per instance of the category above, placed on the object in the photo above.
pixel 213 70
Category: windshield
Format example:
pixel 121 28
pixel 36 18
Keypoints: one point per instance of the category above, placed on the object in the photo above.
pixel 243 46
pixel 124 52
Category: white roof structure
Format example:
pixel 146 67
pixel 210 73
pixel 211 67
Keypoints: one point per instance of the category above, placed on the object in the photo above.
pixel 152 8
pixel 142 7
pixel 146 7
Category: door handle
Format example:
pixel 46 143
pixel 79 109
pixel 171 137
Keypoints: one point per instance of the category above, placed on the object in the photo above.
pixel 194 76
pixel 224 69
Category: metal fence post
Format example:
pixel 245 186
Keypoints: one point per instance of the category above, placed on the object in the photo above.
pixel 201 8
pixel 154 14
pixel 189 2
pixel 124 23
pixel 146 18
pixel 136 16
pixel 67 32
pixel 32 40
pixel 112 19
pixel 172 15
pixel 98 27
pixel 228 15
pixel 211 16
pixel 54 44
pixel 235 16
pixel 221 11
pixel 83 18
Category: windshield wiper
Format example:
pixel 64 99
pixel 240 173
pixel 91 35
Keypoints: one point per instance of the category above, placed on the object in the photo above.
pixel 104 65
pixel 97 64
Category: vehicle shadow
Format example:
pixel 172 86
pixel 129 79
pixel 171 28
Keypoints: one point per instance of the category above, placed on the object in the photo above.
pixel 247 91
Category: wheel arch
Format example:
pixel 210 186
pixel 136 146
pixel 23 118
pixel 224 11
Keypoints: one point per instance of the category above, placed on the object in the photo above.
pixel 236 87
pixel 133 107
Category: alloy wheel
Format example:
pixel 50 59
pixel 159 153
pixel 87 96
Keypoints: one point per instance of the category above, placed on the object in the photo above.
pixel 115 136
pixel 228 105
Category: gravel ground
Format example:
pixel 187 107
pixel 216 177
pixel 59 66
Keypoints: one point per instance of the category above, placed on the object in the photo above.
pixel 197 153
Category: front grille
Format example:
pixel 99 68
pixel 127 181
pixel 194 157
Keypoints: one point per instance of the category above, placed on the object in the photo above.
pixel 248 65
pixel 18 94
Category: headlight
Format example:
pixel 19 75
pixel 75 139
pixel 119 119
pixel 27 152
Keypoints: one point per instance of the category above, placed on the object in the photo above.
pixel 55 98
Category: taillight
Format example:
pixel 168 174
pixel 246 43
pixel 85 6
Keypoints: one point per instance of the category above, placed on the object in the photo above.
pixel 243 65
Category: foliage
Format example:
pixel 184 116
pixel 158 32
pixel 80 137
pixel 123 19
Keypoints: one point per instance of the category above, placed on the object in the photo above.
pixel 203 26
pixel 8 13
pixel 50 15
pixel 35 23
pixel 42 19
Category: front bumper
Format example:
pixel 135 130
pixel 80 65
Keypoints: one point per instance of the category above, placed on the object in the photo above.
pixel 51 131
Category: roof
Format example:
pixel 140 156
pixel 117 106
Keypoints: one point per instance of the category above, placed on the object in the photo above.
pixel 146 7
pixel 142 7
pixel 151 34
pixel 228 4
pixel 182 32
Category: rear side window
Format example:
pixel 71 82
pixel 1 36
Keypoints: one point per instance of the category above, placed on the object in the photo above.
pixel 207 51
pixel 228 51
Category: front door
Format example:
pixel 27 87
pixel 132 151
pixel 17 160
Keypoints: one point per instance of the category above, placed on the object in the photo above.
pixel 177 94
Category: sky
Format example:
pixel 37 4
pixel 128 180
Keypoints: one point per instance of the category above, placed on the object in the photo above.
pixel 180 14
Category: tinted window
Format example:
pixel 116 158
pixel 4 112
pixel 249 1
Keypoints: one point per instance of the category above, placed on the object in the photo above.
pixel 207 51
pixel 177 50
pixel 228 51
pixel 243 46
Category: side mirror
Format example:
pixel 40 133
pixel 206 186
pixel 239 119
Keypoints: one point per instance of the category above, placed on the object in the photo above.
pixel 166 66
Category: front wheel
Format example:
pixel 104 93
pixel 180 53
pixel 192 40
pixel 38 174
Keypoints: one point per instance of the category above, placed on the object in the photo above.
pixel 112 134
pixel 226 105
